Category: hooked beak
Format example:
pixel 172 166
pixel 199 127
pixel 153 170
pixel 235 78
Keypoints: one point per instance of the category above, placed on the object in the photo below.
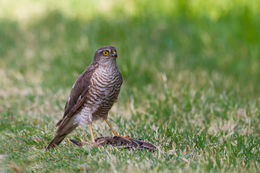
pixel 114 55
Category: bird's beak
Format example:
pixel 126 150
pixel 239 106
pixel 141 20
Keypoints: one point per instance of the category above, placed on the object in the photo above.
pixel 114 55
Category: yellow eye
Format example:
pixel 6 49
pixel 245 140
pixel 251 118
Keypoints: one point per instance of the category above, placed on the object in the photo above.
pixel 105 52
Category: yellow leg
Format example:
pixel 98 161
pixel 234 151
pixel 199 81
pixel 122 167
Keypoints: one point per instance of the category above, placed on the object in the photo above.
pixel 113 131
pixel 91 133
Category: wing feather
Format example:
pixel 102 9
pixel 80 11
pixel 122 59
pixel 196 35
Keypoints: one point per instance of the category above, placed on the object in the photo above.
pixel 78 94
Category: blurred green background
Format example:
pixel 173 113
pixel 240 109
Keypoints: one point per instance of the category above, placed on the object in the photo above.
pixel 191 72
pixel 42 38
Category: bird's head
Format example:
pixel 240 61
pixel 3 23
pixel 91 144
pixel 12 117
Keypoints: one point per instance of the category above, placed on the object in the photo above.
pixel 105 55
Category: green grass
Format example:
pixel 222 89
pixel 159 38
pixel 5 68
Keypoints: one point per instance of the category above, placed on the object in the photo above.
pixel 191 84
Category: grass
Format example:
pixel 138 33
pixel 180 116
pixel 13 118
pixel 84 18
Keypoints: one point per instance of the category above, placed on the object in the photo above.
pixel 191 84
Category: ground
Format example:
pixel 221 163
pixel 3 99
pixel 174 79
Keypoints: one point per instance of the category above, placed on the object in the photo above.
pixel 191 83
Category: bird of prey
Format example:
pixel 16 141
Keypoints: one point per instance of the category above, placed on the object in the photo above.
pixel 92 95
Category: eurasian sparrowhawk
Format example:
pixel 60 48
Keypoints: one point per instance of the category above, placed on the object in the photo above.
pixel 92 95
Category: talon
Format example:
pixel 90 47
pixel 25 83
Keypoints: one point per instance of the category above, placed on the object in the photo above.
pixel 115 134
pixel 127 137
pixel 113 131
pixel 115 137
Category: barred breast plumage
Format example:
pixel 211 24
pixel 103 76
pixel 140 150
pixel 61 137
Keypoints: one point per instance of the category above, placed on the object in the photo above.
pixel 105 86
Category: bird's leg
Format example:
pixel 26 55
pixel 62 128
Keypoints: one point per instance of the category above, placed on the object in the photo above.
pixel 91 133
pixel 114 132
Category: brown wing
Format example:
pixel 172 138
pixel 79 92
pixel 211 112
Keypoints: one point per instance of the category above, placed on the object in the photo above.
pixel 78 94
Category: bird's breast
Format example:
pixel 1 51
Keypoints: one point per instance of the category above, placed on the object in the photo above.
pixel 103 92
pixel 106 83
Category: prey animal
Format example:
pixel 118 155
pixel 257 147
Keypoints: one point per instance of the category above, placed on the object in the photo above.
pixel 92 95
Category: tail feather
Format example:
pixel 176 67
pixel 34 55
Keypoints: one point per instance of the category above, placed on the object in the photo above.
pixel 61 133
pixel 56 140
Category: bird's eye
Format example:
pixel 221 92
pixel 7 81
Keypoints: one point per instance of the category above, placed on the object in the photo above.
pixel 105 52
